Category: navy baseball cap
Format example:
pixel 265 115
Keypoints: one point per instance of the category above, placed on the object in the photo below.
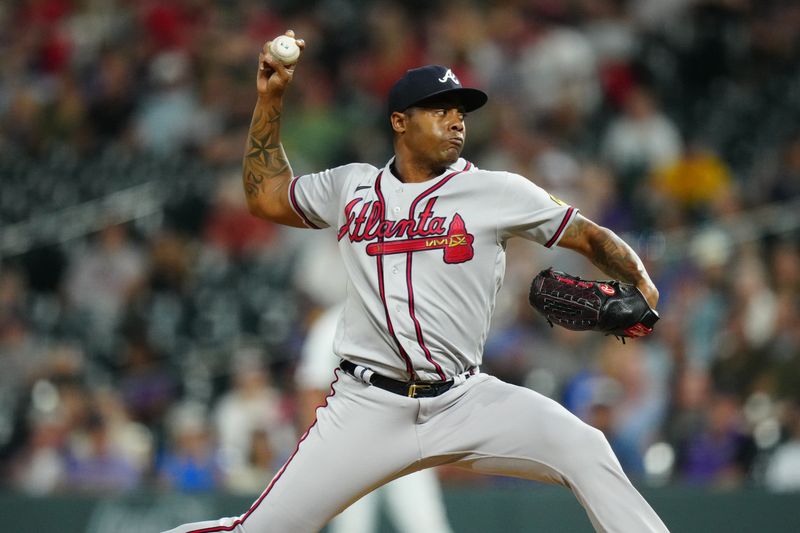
pixel 419 84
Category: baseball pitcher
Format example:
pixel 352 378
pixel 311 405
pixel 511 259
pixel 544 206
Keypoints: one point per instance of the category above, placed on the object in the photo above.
pixel 423 240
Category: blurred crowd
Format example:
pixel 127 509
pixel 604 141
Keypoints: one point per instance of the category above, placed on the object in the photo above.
pixel 160 351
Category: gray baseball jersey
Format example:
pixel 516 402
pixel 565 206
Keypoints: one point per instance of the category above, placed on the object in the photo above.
pixel 425 260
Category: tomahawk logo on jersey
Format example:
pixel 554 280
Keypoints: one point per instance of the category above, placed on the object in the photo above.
pixel 425 232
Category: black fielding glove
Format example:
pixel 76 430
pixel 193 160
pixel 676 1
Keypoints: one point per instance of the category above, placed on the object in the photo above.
pixel 611 307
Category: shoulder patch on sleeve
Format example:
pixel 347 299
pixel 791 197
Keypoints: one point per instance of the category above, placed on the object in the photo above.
pixel 557 200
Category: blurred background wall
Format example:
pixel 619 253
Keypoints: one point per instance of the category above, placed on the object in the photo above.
pixel 150 328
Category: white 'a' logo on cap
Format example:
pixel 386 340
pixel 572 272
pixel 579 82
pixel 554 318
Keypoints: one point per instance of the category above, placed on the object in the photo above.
pixel 450 76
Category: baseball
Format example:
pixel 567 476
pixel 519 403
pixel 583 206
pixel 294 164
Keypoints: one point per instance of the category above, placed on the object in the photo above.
pixel 284 49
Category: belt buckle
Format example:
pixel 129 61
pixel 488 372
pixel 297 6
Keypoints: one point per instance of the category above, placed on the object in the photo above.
pixel 412 389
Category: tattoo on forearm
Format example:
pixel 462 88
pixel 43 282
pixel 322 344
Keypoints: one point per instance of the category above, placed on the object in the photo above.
pixel 616 258
pixel 606 250
pixel 252 183
pixel 265 157
pixel 576 228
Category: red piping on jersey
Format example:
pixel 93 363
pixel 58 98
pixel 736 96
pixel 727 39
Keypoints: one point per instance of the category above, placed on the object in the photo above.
pixel 409 284
pixel 296 206
pixel 563 225
pixel 403 354
pixel 244 517
pixel 417 327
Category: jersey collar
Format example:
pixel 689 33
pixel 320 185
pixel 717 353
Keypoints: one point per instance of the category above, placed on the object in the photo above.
pixel 389 175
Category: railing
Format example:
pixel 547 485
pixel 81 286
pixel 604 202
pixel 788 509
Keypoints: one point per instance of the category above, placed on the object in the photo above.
pixel 74 221
pixel 470 510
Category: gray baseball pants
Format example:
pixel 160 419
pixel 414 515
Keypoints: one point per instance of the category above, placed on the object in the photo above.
pixel 365 436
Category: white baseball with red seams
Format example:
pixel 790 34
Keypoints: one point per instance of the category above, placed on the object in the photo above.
pixel 425 261
pixel 285 49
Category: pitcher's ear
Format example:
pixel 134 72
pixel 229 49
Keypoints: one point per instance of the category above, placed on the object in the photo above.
pixel 399 121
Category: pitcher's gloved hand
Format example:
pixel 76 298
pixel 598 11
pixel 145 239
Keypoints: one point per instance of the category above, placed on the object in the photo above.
pixel 612 307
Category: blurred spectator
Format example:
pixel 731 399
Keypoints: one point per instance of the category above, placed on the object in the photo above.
pixel 720 453
pixel 652 14
pixel 320 273
pixel 642 374
pixel 784 184
pixel 22 129
pixel 94 465
pixel 102 275
pixel 146 384
pixel 393 48
pixel 230 226
pixel 753 295
pixel 694 180
pixel 57 406
pixel 41 468
pixel 22 356
pixel 44 19
pixel 615 42
pixel 600 414
pixel 252 406
pixel 164 123
pixel 111 97
pixel 214 136
pixel 505 354
pixel 159 312
pixel 168 26
pixel 45 268
pixel 558 67
pixel 701 297
pixel 784 267
pixel 19 349
pixel 599 200
pixel 133 441
pixel 783 469
pixel 191 463
pixel 691 397
pixel 513 145
pixel 642 139
pixel 317 133
pixel 458 36
pixel 251 475
pixel 556 170
pixel 67 114
pixel 740 366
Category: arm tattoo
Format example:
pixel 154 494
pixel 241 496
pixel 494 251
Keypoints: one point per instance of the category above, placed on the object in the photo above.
pixel 577 227
pixel 265 157
pixel 614 257
pixel 606 250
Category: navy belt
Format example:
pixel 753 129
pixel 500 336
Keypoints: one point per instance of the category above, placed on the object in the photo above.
pixel 412 389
